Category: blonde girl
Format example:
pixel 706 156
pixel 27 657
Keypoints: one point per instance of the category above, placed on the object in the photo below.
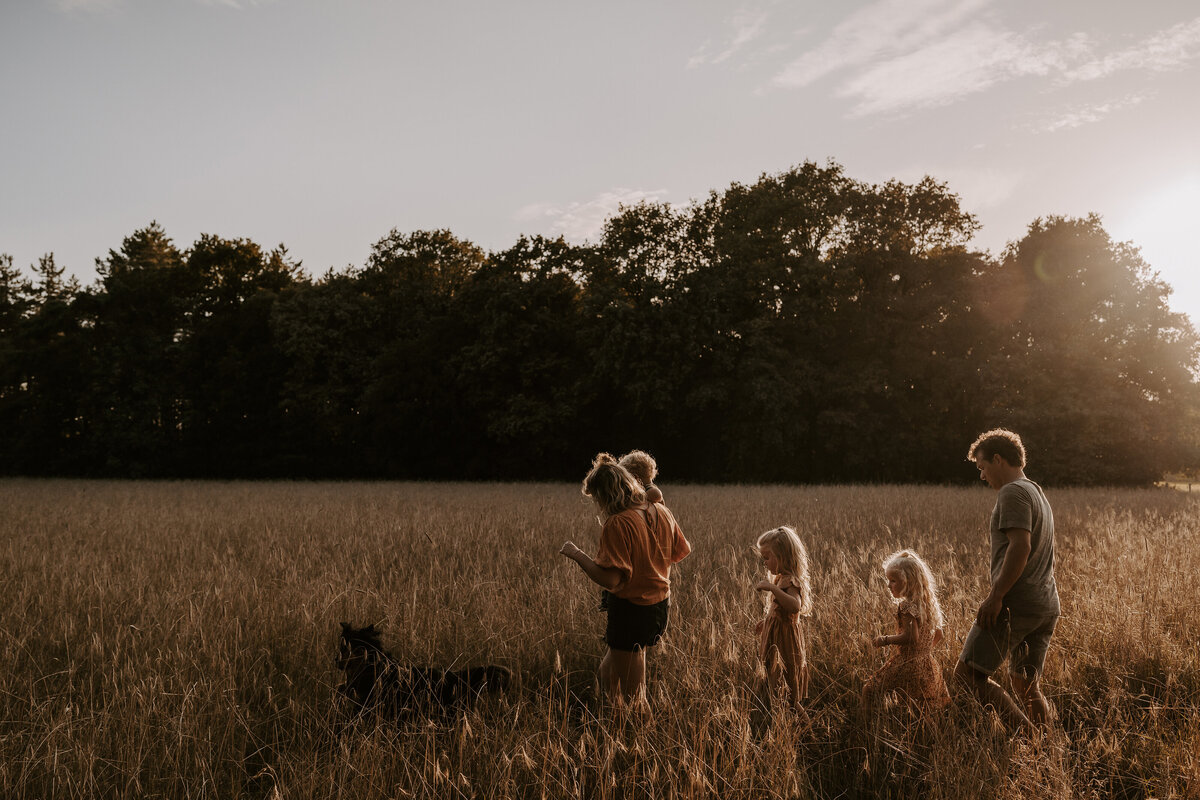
pixel 911 669
pixel 789 598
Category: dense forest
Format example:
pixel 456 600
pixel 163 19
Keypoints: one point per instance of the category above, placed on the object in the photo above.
pixel 807 327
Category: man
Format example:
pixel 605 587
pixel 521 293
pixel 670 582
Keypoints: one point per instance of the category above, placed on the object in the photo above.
pixel 1018 617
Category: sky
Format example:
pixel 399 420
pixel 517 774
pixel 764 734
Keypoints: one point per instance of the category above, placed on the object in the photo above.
pixel 324 125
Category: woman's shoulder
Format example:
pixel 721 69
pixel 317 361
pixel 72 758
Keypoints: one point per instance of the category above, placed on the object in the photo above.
pixel 630 512
pixel 629 518
pixel 664 513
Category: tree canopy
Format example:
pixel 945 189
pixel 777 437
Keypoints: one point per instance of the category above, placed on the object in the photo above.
pixel 805 328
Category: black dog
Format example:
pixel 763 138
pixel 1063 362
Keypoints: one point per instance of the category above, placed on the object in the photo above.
pixel 376 682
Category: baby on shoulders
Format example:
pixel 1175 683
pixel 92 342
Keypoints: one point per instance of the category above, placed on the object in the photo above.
pixel 641 465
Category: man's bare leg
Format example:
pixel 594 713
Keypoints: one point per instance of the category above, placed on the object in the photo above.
pixel 990 693
pixel 1030 692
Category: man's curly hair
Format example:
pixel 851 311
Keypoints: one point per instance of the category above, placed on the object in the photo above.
pixel 998 441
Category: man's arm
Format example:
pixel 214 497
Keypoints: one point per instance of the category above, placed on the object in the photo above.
pixel 1015 559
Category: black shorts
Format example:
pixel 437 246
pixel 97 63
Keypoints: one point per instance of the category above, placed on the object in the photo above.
pixel 632 626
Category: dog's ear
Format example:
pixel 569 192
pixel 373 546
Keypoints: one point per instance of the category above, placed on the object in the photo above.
pixel 346 627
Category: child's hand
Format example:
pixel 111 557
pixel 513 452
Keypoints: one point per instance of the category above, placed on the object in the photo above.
pixel 569 550
pixel 878 641
pixel 764 586
pixel 758 626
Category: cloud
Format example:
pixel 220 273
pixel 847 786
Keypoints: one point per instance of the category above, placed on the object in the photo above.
pixel 878 30
pixel 747 27
pixel 585 220
pixel 899 55
pixel 983 187
pixel 979 188
pixel 1085 114
pixel 967 61
pixel 1166 50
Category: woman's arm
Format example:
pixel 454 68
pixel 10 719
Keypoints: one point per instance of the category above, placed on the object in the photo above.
pixel 609 579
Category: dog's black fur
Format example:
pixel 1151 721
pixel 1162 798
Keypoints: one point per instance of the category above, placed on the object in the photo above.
pixel 377 682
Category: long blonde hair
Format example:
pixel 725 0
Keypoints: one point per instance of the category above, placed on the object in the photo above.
pixel 793 561
pixel 920 588
pixel 611 486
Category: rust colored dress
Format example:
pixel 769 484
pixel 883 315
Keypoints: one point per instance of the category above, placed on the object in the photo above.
pixel 911 669
pixel 781 647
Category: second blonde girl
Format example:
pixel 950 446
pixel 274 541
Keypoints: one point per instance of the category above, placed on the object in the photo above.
pixel 912 669
pixel 780 633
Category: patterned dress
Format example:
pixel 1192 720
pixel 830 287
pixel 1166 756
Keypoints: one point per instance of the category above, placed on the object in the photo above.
pixel 781 648
pixel 911 669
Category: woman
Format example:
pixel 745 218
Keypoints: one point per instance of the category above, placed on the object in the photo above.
pixel 639 543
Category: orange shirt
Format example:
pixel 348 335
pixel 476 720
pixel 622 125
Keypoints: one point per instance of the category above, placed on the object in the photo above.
pixel 643 554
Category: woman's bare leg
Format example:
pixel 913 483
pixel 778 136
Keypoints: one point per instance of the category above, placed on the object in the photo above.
pixel 623 676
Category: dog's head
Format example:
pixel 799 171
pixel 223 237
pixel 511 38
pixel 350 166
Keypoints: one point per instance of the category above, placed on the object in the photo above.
pixel 358 645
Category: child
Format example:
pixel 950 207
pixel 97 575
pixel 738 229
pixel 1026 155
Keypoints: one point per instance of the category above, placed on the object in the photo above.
pixel 781 637
pixel 641 466
pixel 911 670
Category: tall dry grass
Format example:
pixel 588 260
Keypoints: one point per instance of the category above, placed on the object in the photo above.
pixel 177 640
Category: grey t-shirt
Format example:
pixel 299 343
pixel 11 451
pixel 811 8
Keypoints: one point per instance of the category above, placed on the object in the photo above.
pixel 1022 504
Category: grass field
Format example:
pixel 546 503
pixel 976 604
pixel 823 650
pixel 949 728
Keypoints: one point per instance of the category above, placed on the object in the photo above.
pixel 177 640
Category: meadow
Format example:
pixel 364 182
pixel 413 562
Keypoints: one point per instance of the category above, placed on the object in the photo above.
pixel 177 640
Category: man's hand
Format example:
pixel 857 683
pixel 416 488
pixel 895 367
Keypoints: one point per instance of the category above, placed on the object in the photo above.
pixel 989 611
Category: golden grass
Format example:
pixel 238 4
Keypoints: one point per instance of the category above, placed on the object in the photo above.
pixel 177 640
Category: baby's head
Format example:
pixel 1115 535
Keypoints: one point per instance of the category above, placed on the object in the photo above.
pixel 640 465
pixel 611 486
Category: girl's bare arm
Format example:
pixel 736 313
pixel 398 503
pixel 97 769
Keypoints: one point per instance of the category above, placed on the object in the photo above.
pixel 787 601
pixel 907 634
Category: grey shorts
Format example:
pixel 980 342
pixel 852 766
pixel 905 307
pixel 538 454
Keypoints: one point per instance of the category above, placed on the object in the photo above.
pixel 1024 640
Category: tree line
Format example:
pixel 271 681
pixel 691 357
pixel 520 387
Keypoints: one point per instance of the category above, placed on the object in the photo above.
pixel 807 327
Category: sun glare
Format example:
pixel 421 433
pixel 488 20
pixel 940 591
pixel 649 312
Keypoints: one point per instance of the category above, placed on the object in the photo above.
pixel 1163 225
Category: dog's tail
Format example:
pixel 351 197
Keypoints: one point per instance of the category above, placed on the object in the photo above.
pixel 491 678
